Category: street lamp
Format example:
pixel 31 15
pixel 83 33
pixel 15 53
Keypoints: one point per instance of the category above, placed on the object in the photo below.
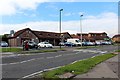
pixel 81 27
pixel 60 25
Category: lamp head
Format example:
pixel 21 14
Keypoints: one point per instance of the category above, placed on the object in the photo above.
pixel 61 9
pixel 81 15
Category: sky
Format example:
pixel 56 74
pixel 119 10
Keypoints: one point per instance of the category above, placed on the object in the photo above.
pixel 43 15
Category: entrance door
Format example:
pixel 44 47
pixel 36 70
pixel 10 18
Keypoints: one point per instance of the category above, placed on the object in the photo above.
pixel 24 39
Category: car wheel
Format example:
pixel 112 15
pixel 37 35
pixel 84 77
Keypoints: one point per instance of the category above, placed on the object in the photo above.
pixel 44 46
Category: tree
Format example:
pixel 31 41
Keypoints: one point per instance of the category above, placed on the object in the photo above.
pixel 4 37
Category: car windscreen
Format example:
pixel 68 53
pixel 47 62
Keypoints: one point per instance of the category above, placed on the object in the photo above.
pixel 77 41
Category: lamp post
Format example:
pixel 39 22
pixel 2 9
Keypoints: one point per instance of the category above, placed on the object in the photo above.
pixel 60 25
pixel 81 27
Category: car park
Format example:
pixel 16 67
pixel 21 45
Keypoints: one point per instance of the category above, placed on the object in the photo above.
pixel 106 43
pixel 32 44
pixel 3 44
pixel 98 43
pixel 45 45
pixel 76 41
pixel 62 43
pixel 69 44
pixel 89 43
pixel 109 43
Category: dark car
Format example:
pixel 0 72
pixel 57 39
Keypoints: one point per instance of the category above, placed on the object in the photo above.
pixel 89 43
pixel 69 44
pixel 32 44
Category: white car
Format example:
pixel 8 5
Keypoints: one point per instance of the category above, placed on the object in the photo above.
pixel 3 44
pixel 45 45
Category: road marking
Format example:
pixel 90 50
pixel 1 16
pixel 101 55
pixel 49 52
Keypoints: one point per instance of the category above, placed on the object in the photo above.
pixel 93 51
pixel 22 61
pixel 32 74
pixel 58 56
pixel 40 72
pixel 34 59
pixel 49 57
pixel 15 55
pixel 77 52
pixel 69 54
pixel 51 68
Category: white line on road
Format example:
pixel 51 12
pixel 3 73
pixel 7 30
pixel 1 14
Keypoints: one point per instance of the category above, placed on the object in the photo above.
pixel 77 53
pixel 34 59
pixel 32 74
pixel 92 51
pixel 58 56
pixel 49 57
pixel 51 69
pixel 5 55
pixel 22 61
pixel 69 54
pixel 40 72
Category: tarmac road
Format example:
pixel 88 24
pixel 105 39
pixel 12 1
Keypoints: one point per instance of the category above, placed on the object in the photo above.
pixel 24 65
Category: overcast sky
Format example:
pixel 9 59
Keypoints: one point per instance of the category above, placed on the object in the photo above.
pixel 43 15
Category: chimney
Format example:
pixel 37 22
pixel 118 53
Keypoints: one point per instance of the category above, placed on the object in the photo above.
pixel 12 33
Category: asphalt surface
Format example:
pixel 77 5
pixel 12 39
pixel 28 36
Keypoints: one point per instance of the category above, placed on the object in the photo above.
pixel 25 65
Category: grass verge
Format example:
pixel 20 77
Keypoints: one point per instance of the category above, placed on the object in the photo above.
pixel 79 67
pixel 11 49
pixel 117 51
pixel 20 50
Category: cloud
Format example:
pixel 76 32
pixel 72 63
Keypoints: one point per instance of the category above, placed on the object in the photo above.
pixel 10 7
pixel 105 22
pixel 51 6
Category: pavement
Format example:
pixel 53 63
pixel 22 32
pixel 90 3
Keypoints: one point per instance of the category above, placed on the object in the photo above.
pixel 106 69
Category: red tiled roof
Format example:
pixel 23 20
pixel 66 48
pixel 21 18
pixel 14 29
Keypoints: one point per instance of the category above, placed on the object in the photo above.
pixel 118 35
pixel 86 37
pixel 98 33
pixel 99 37
pixel 40 34
pixel 20 31
pixel 43 34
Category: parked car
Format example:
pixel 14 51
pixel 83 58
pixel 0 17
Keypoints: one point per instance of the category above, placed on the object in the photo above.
pixel 75 41
pixel 109 43
pixel 69 44
pixel 106 43
pixel 62 43
pixel 45 45
pixel 3 44
pixel 98 43
pixel 32 44
pixel 89 44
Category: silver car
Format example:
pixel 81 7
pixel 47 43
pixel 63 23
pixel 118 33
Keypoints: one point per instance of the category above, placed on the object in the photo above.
pixel 3 44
